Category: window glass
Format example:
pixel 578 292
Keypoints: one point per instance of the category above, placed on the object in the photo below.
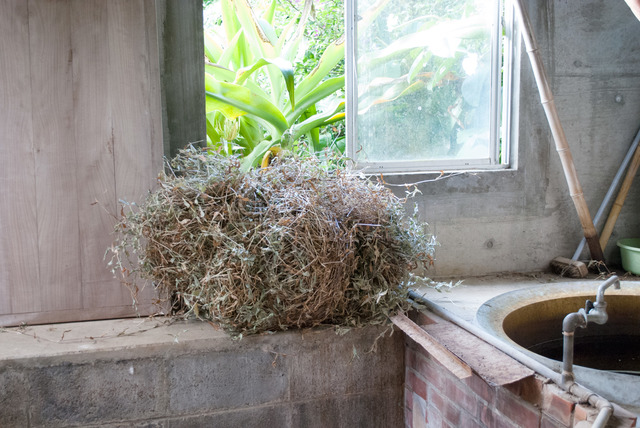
pixel 428 78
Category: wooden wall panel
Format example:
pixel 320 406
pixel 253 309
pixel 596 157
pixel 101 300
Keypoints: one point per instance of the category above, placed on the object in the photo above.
pixel 137 148
pixel 94 133
pixel 80 124
pixel 19 271
pixel 55 154
pixel 129 71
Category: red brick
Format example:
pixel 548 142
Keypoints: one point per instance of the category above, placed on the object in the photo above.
pixel 463 397
pixel 492 419
pixel 410 358
pixel 529 389
pixel 435 398
pixel 581 413
pixel 547 422
pixel 407 377
pixel 408 419
pixel 486 415
pixel 451 413
pixel 467 421
pixel 558 406
pixel 447 410
pixel 517 410
pixel 408 398
pixel 434 419
pixel 419 412
pixel 417 385
pixel 480 387
pixel 434 374
pixel 514 388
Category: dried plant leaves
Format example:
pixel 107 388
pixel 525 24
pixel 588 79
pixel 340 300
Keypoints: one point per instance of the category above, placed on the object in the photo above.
pixel 294 245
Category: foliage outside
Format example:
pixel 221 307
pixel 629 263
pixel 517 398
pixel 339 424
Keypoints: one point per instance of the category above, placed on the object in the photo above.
pixel 275 77
pixel 298 244
pixel 255 98
pixel 424 71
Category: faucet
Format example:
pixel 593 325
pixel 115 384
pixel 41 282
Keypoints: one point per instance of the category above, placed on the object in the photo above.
pixel 592 312
pixel 597 312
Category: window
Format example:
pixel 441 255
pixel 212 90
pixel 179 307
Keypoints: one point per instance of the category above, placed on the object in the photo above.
pixel 426 81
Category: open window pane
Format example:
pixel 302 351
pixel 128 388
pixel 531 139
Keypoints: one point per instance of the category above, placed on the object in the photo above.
pixel 428 84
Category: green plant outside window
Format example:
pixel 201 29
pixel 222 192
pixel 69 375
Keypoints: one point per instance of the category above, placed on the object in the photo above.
pixel 426 87
pixel 263 92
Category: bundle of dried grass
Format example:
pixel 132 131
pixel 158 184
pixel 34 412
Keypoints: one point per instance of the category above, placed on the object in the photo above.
pixel 294 245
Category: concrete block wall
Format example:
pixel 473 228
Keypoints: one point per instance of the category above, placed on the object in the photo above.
pixel 189 375
pixel 435 397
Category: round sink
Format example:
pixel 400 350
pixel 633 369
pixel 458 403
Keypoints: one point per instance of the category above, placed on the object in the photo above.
pixel 606 357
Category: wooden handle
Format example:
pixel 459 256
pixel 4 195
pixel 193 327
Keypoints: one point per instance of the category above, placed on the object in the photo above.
pixel 622 195
pixel 562 147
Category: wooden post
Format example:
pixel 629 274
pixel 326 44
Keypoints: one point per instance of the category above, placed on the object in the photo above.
pixel 622 195
pixel 562 147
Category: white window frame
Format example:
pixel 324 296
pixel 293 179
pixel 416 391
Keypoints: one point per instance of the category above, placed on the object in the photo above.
pixel 501 102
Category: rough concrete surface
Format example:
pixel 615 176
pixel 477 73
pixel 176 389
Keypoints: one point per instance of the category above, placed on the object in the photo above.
pixel 154 373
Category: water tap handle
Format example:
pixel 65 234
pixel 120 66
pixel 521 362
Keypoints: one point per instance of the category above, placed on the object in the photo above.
pixel 588 305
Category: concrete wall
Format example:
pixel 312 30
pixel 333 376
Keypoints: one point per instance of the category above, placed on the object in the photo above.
pixel 149 374
pixel 519 220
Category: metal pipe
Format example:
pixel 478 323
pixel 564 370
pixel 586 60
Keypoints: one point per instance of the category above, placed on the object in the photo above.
pixel 569 325
pixel 603 417
pixel 609 194
pixel 574 320
pixel 567 357
pixel 604 407
pixel 594 312
pixel 614 280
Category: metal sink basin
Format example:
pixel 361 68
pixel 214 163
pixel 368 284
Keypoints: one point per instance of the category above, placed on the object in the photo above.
pixel 607 357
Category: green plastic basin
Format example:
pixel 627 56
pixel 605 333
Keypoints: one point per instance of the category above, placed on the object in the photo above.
pixel 630 252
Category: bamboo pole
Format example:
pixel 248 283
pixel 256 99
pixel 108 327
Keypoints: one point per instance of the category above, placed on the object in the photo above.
pixel 612 188
pixel 562 147
pixel 622 195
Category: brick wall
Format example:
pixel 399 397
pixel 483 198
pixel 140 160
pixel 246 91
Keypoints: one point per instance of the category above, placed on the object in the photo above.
pixel 434 397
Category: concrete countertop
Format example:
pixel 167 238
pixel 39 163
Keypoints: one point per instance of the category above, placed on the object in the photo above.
pixel 52 340
pixel 464 299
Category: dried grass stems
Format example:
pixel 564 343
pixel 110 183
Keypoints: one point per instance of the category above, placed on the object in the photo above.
pixel 294 245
